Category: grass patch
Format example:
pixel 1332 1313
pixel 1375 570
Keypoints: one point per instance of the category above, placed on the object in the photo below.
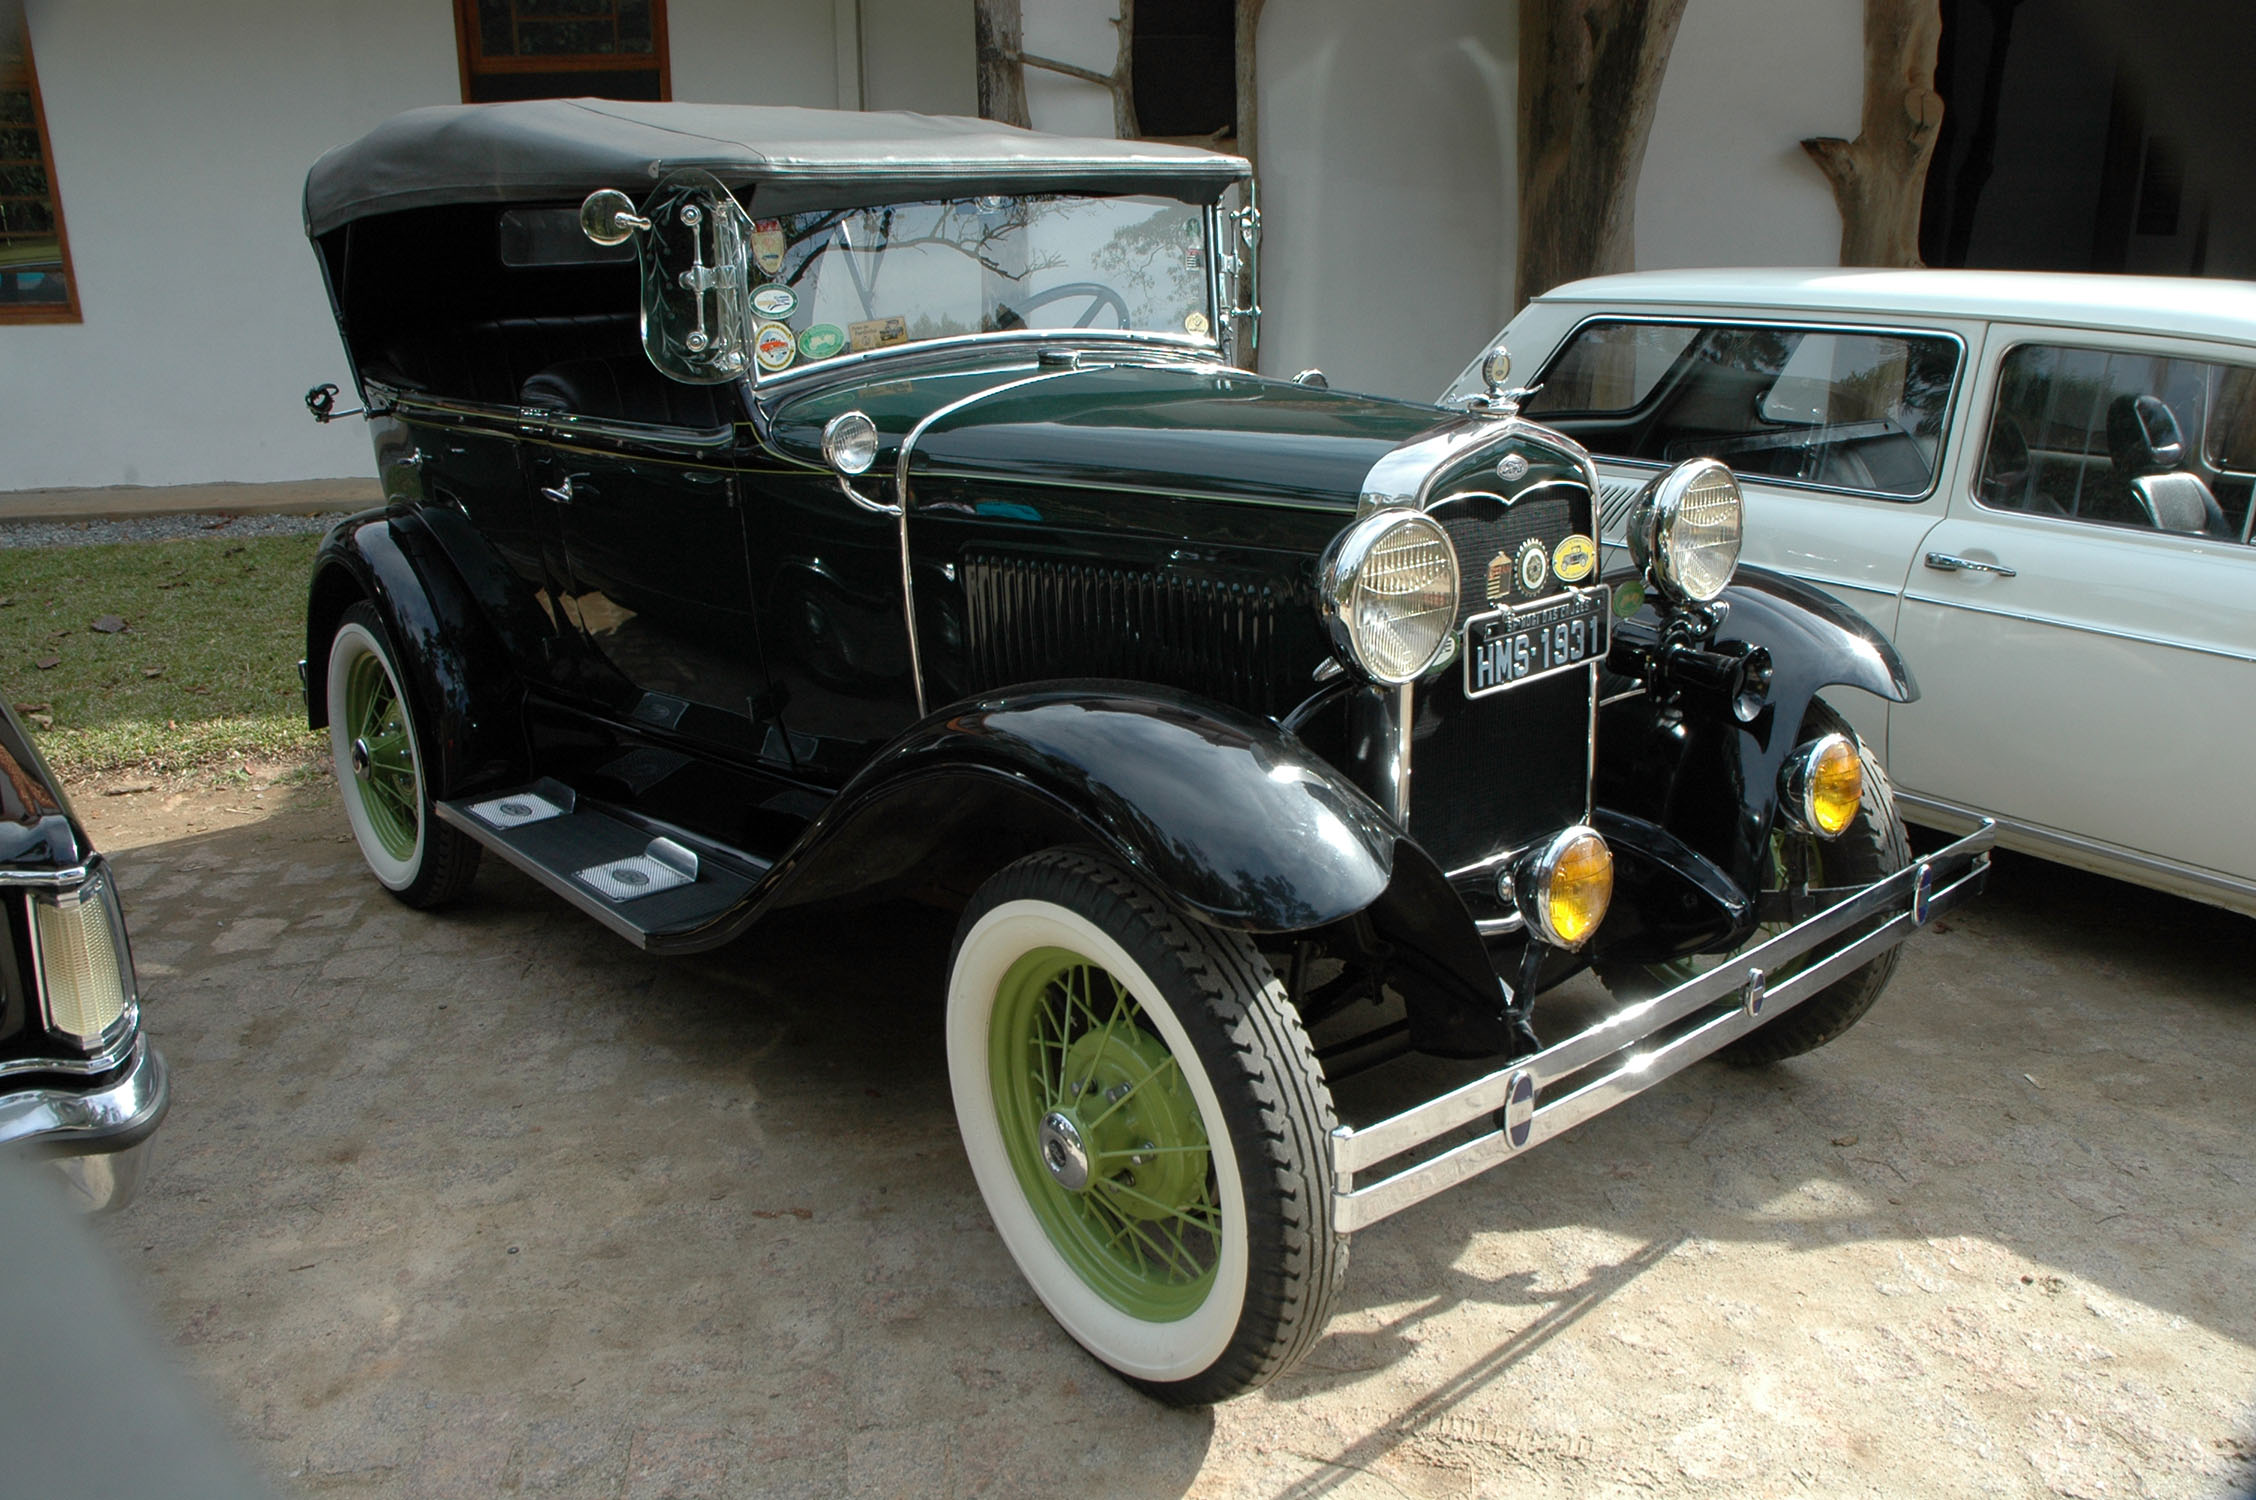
pixel 204 671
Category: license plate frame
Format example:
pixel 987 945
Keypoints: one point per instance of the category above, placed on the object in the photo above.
pixel 1516 645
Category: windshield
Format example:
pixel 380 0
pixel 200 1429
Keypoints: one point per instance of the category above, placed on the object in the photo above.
pixel 847 280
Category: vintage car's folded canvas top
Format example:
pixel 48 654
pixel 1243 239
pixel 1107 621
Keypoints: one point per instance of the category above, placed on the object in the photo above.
pixel 779 159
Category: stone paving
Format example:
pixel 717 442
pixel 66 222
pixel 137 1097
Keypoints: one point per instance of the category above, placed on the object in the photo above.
pixel 488 1202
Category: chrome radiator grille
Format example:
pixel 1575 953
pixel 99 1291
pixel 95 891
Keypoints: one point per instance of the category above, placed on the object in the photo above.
pixel 1245 641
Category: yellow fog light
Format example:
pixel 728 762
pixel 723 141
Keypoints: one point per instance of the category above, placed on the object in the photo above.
pixel 85 978
pixel 1823 784
pixel 1563 889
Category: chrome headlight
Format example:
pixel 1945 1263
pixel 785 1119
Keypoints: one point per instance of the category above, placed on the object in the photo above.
pixel 85 973
pixel 1390 594
pixel 1685 529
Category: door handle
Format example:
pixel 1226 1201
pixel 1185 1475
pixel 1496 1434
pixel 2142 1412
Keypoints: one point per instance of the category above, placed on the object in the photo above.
pixel 1944 562
pixel 561 493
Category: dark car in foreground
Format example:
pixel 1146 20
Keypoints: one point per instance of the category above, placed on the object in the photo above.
pixel 80 1086
pixel 788 506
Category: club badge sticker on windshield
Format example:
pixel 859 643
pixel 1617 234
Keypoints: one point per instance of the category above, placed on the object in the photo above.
pixel 822 341
pixel 767 245
pixel 876 333
pixel 773 346
pixel 1574 559
pixel 775 300
pixel 1194 322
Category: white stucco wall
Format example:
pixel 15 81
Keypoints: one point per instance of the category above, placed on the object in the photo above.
pixel 1726 182
pixel 180 159
pixel 1388 189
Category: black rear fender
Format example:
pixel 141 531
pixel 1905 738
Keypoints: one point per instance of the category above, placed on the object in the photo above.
pixel 460 678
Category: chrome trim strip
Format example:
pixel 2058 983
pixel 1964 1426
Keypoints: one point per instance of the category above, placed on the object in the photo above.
pixel 1049 483
pixel 62 1118
pixel 2026 618
pixel 47 879
pixel 2013 832
pixel 1355 1150
pixel 1202 350
pixel 901 499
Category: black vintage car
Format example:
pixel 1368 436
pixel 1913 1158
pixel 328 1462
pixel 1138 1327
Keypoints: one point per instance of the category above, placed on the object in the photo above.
pixel 791 506
pixel 80 1086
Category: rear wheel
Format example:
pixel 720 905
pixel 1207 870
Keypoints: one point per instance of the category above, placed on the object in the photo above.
pixel 377 749
pixel 1873 847
pixel 1147 1124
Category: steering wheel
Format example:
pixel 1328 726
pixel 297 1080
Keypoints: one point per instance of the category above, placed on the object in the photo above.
pixel 1100 297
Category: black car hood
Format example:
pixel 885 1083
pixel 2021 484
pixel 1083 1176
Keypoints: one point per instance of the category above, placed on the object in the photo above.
pixel 37 828
pixel 1171 427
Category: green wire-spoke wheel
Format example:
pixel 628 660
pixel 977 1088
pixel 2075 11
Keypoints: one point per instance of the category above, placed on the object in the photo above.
pixel 376 750
pixel 1147 1124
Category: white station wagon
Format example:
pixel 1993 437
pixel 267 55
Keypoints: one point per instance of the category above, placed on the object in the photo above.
pixel 2037 485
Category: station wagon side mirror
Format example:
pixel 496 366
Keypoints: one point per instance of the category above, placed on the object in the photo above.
pixel 691 239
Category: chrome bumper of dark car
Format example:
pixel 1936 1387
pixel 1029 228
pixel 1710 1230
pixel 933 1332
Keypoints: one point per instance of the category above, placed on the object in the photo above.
pixel 97 1138
pixel 1740 994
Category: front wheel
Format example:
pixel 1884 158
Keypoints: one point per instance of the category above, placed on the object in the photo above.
pixel 1148 1125
pixel 378 751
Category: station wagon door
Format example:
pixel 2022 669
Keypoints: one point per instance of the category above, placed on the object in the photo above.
pixel 2083 623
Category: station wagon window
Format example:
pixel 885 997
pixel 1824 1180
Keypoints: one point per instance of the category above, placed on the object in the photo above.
pixel 2122 438
pixel 1846 409
pixel 561 49
pixel 36 285
pixel 845 281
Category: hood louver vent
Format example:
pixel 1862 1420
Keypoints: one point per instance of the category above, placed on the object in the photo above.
pixel 1248 644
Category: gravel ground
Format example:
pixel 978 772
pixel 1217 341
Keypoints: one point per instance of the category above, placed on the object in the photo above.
pixel 486 1202
pixel 15 534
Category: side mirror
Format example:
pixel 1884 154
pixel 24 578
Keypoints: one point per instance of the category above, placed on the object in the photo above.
pixel 696 313
pixel 608 217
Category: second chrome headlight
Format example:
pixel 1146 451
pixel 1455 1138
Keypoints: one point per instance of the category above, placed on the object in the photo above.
pixel 1390 594
pixel 1685 530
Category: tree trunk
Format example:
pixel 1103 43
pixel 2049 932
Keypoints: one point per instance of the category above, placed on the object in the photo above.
pixel 1590 75
pixel 1249 113
pixel 1879 178
pixel 1120 82
pixel 998 39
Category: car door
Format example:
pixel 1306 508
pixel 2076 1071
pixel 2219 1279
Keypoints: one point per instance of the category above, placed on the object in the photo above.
pixel 641 474
pixel 2086 659
pixel 1836 431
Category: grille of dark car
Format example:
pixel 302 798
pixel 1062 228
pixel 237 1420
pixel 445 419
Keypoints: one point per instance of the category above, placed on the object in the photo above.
pixel 1484 533
pixel 1237 640
pixel 1494 772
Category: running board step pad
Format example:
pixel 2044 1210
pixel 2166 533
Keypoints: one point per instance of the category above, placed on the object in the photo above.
pixel 637 884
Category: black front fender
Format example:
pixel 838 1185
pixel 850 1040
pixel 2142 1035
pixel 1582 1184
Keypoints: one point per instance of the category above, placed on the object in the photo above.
pixel 1710 779
pixel 1233 816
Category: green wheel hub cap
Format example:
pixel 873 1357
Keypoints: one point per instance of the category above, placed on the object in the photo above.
pixel 1104 1135
pixel 384 775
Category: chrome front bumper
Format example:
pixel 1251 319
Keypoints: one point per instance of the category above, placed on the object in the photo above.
pixel 1740 993
pixel 97 1138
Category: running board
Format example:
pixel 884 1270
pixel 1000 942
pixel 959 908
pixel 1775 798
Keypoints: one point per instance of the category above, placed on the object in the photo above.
pixel 1737 997
pixel 642 883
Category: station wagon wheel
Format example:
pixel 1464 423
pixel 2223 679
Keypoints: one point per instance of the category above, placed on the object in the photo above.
pixel 376 749
pixel 1873 847
pixel 1148 1126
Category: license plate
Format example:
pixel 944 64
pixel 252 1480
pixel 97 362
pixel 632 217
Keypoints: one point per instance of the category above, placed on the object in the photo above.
pixel 1510 646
